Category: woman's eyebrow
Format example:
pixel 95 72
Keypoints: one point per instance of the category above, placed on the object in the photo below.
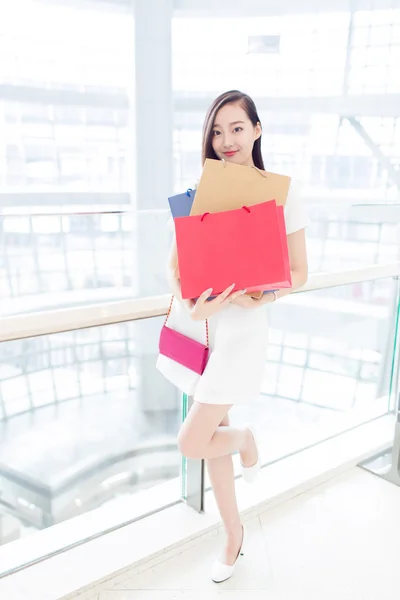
pixel 234 123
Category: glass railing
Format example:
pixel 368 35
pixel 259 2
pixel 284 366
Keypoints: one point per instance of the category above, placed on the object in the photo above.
pixel 86 422
pixel 76 255
pixel 80 255
pixel 88 426
pixel 347 236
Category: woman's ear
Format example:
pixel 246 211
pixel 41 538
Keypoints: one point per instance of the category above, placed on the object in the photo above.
pixel 258 130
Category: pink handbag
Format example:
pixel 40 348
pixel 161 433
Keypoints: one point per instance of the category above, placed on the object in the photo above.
pixel 182 349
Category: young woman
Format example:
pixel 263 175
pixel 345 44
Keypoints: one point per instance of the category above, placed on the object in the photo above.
pixel 238 333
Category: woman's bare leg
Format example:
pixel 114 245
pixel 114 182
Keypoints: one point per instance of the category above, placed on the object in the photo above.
pixel 221 473
pixel 206 434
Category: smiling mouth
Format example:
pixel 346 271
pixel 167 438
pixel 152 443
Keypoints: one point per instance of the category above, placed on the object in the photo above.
pixel 231 153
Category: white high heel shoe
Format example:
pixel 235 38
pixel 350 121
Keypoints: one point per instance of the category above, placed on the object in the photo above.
pixel 221 572
pixel 250 474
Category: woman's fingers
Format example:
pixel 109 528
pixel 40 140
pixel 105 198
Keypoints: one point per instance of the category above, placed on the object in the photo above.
pixel 225 294
pixel 205 295
pixel 236 295
pixel 223 298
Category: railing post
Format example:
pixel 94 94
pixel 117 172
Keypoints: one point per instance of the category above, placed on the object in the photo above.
pixel 386 464
pixel 394 473
pixel 192 474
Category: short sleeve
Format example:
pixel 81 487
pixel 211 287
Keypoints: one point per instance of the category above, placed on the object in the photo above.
pixel 295 213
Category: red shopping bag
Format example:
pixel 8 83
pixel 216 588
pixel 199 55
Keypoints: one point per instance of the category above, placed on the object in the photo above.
pixel 243 246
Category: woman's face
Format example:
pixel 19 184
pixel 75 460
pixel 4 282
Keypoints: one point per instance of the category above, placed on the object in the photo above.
pixel 233 135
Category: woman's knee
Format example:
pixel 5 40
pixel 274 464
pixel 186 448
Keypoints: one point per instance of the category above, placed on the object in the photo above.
pixel 190 444
pixel 186 445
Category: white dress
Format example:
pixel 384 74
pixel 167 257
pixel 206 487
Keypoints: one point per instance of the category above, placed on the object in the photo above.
pixel 238 340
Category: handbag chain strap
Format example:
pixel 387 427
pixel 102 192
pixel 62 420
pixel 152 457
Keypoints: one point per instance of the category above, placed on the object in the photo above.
pixel 169 312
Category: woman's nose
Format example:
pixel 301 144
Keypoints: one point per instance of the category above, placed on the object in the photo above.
pixel 228 143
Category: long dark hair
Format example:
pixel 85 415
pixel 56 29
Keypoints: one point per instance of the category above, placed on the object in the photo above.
pixel 231 97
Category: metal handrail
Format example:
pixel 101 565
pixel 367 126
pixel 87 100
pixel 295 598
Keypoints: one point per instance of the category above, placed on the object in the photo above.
pixel 28 325
pixel 126 209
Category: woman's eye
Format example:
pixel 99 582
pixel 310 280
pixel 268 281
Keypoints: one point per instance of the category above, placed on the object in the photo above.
pixel 215 132
pixel 237 129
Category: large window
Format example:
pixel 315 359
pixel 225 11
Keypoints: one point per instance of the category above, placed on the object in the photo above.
pixel 310 59
pixel 64 112
pixel 318 55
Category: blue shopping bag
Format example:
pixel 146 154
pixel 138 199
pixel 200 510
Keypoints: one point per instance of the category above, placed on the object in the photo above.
pixel 181 204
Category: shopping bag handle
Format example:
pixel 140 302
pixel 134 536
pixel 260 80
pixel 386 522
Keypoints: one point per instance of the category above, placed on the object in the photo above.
pixel 246 208
pixel 262 173
pixel 188 192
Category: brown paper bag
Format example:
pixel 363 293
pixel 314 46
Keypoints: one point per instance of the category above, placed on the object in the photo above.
pixel 227 186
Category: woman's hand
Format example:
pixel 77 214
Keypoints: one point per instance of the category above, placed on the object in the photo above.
pixel 249 302
pixel 204 309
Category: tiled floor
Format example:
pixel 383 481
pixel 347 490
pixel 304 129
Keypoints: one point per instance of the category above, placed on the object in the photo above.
pixel 340 541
